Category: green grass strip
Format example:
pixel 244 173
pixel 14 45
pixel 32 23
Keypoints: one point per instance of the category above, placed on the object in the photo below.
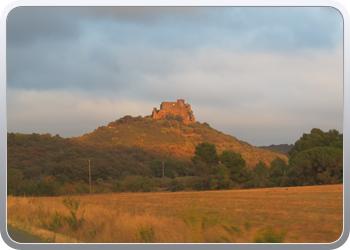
pixel 28 234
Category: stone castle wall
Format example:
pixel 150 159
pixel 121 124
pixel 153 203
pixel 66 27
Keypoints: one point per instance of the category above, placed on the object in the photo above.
pixel 177 108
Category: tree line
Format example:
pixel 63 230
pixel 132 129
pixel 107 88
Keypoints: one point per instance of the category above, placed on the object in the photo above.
pixel 315 159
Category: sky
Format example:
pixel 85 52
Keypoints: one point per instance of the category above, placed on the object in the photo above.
pixel 265 75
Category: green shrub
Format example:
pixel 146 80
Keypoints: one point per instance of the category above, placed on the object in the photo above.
pixel 72 220
pixel 269 235
pixel 54 223
pixel 82 188
pixel 147 235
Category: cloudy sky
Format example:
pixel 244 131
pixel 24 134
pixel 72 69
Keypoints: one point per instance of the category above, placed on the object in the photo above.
pixel 264 75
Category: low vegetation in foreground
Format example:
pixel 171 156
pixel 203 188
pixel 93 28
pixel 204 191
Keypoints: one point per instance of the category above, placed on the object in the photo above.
pixel 309 214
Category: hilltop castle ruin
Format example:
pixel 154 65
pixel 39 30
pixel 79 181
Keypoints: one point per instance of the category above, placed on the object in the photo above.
pixel 177 108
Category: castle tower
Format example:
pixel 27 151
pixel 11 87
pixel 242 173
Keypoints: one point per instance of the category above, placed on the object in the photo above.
pixel 180 103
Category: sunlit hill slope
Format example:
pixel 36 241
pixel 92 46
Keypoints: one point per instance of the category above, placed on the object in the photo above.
pixel 172 138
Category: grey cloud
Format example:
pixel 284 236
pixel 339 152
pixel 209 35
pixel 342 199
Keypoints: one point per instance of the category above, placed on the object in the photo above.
pixel 285 28
pixel 26 25
pixel 256 28
pixel 145 14
pixel 62 66
pixel 242 74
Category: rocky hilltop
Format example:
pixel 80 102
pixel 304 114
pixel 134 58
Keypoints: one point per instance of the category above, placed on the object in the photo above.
pixel 178 108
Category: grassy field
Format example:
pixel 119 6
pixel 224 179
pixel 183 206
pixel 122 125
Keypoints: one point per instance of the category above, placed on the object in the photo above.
pixel 311 214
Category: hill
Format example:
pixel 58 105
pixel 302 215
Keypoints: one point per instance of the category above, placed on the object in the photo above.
pixel 126 148
pixel 141 154
pixel 170 137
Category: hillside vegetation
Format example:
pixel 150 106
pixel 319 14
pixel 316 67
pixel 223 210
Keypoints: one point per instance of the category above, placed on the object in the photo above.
pixel 171 137
pixel 135 154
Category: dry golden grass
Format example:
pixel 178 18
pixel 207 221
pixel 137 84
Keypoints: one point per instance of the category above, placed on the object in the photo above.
pixel 306 214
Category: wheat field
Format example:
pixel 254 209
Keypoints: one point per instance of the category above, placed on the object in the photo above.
pixel 311 214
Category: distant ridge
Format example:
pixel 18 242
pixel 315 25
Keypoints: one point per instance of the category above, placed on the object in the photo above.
pixel 280 148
